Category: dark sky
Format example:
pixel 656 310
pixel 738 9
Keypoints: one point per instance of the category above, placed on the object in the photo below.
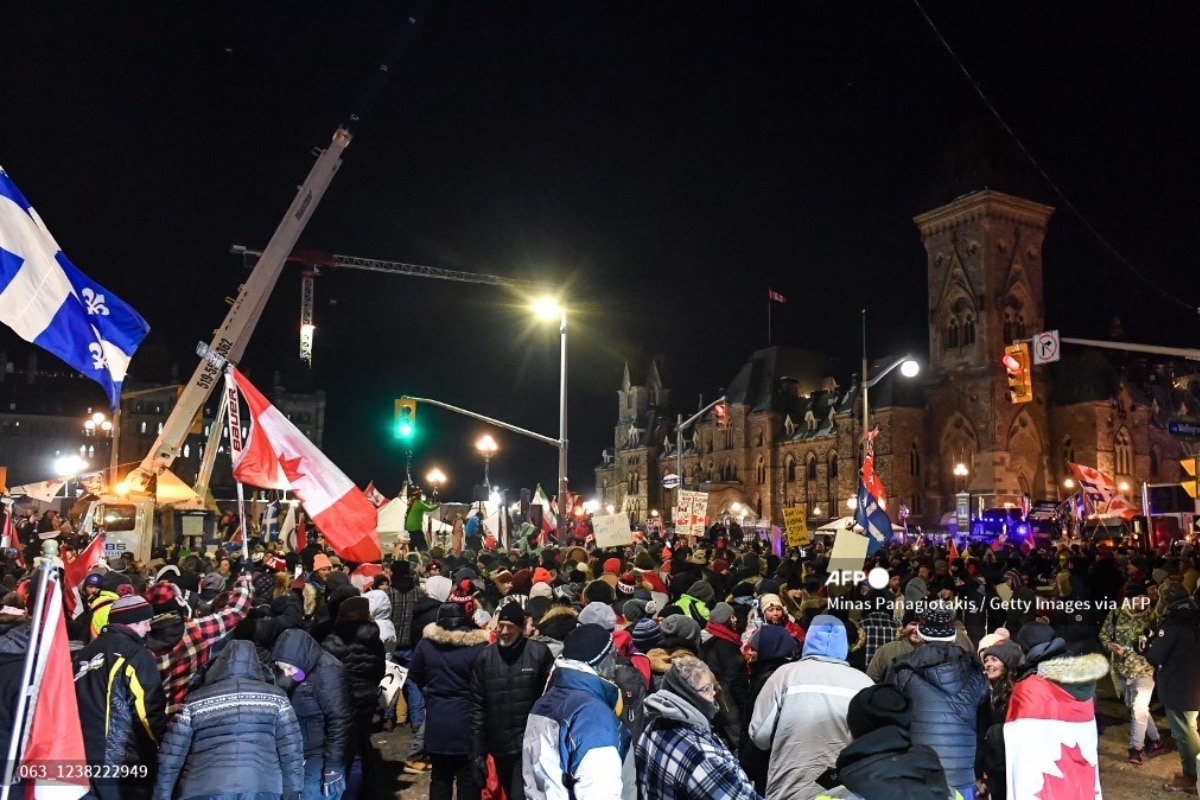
pixel 664 163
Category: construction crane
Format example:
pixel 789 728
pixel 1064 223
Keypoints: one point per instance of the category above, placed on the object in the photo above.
pixel 312 261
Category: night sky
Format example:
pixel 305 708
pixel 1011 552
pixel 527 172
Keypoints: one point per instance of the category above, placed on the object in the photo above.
pixel 663 163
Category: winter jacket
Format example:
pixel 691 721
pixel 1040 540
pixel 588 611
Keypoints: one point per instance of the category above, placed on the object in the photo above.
pixel 1175 654
pixel 381 611
pixel 442 666
pixel 800 717
pixel 946 686
pixel 505 683
pixel 1124 627
pixel 404 596
pixel 558 622
pixel 885 765
pixel 573 746
pixel 723 655
pixel 424 614
pixel 356 644
pixel 97 613
pixel 235 737
pixel 322 700
pixel 774 651
pixel 121 702
pixel 680 758
pixel 265 624
pixel 13 646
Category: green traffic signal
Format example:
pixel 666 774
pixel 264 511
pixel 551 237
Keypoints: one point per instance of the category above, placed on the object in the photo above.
pixel 406 425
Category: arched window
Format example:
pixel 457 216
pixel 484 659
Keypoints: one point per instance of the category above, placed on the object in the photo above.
pixel 728 436
pixel 914 461
pixel 1123 453
pixel 969 330
pixel 791 469
pixel 811 467
pixel 1068 455
pixel 952 333
pixel 760 471
pixel 831 475
pixel 758 507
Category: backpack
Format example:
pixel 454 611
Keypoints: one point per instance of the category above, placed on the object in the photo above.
pixel 633 695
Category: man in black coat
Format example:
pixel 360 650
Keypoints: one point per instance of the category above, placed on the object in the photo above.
pixel 355 642
pixel 721 651
pixel 316 684
pixel 507 679
pixel 1175 654
pixel 122 706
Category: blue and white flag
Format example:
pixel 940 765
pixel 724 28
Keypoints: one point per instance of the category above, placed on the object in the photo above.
pixel 871 517
pixel 48 302
pixel 270 522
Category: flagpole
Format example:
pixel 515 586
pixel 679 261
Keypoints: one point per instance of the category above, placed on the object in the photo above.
pixel 28 693
pixel 242 521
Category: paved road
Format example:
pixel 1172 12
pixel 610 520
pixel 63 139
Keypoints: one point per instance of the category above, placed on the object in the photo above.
pixel 1118 779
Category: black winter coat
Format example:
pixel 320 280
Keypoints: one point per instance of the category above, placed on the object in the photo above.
pixel 358 646
pixel 322 700
pixel 425 613
pixel 122 706
pixel 1175 654
pixel 728 666
pixel 756 762
pixel 885 765
pixel 946 686
pixel 442 666
pixel 235 737
pixel 505 683
pixel 13 646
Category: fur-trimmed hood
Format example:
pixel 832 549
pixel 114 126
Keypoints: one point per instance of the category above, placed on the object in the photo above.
pixel 559 611
pixel 660 658
pixel 1070 670
pixel 468 637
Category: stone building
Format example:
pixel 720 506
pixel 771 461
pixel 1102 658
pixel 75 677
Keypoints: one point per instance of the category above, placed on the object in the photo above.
pixel 794 432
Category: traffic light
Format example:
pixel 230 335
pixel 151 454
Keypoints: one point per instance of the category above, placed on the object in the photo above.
pixel 406 420
pixel 1189 466
pixel 721 415
pixel 1020 380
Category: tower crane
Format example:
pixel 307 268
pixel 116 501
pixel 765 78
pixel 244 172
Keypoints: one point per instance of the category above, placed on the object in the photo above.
pixel 313 261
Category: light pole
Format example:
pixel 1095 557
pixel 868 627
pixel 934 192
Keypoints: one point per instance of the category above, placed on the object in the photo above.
pixel 435 478
pixel 99 422
pixel 69 467
pixel 487 447
pixel 908 368
pixel 548 308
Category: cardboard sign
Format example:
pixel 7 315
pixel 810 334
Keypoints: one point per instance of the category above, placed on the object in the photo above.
pixel 691 514
pixel 795 522
pixel 849 551
pixel 612 530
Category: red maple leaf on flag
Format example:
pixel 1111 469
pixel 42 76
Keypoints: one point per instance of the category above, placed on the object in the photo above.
pixel 291 468
pixel 1078 781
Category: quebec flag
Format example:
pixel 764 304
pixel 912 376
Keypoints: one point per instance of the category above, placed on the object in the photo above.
pixel 50 303
pixel 873 519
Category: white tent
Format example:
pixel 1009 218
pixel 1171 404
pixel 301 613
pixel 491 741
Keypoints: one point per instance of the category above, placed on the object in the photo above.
pixel 848 523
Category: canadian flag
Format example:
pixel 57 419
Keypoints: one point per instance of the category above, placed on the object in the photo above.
pixel 375 496
pixel 55 745
pixel 277 452
pixel 1050 741
pixel 75 572
pixel 549 518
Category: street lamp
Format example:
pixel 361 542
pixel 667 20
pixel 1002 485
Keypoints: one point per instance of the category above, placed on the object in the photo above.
pixel 1069 483
pixel 98 422
pixel 487 447
pixel 435 478
pixel 68 467
pixel 549 308
pixel 908 368
pixel 852 503
pixel 816 511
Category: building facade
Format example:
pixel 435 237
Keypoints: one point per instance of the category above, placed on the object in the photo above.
pixel 793 435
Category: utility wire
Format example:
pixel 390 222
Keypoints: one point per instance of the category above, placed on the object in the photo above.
pixel 1099 237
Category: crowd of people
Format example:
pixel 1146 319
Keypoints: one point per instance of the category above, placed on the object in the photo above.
pixel 666 669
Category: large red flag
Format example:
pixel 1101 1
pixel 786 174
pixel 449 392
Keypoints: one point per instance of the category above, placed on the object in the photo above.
pixel 75 572
pixel 277 452
pixel 55 746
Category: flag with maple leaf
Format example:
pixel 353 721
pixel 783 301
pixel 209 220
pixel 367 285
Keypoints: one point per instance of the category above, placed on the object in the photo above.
pixel 1050 740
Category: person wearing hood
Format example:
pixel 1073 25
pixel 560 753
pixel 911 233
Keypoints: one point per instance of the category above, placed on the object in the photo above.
pixel 355 642
pixel 404 595
pixel 573 744
pixel 442 666
pixel 946 686
pixel 507 679
pixel 770 648
pixel 882 763
pixel 800 714
pixel 237 730
pixel 696 600
pixel 183 644
pixel 1132 674
pixel 316 684
pixel 327 617
pixel 678 756
pixel 381 612
pixel 121 699
pixel 1051 722
pixel 424 614
pixel 1175 654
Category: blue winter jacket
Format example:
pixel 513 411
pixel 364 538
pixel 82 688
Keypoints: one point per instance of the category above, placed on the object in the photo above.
pixel 442 666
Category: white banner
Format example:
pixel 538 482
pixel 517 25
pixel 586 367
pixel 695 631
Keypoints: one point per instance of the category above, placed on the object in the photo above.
pixel 612 530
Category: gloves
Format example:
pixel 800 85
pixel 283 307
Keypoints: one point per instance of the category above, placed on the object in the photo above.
pixel 333 783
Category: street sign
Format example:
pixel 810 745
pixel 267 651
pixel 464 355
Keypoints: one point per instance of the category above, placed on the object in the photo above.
pixel 670 481
pixel 1184 428
pixel 1046 347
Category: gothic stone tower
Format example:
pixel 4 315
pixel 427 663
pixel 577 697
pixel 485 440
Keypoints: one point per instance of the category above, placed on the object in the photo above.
pixel 984 256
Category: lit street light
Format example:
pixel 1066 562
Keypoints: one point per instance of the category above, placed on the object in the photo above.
pixel 487 447
pixel 549 308
pixel 909 368
pixel 100 423
pixel 435 478
pixel 68 467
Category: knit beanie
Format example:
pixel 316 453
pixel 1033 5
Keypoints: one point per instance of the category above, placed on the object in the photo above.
pixel 702 591
pixel 613 566
pixel 721 613
pixel 646 635
pixel 936 625
pixel 644 561
pixel 541 589
pixel 598 591
pixel 130 610
pixel 1008 652
pixel 769 601
pixel 598 614
pixel 354 609
pixel 633 610
pixel 678 630
pixel 769 586
pixel 627 584
pixel 587 643
pixel 522 581
pixel 512 612
pixel 876 707
pixel 464 595
pixel 543 575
